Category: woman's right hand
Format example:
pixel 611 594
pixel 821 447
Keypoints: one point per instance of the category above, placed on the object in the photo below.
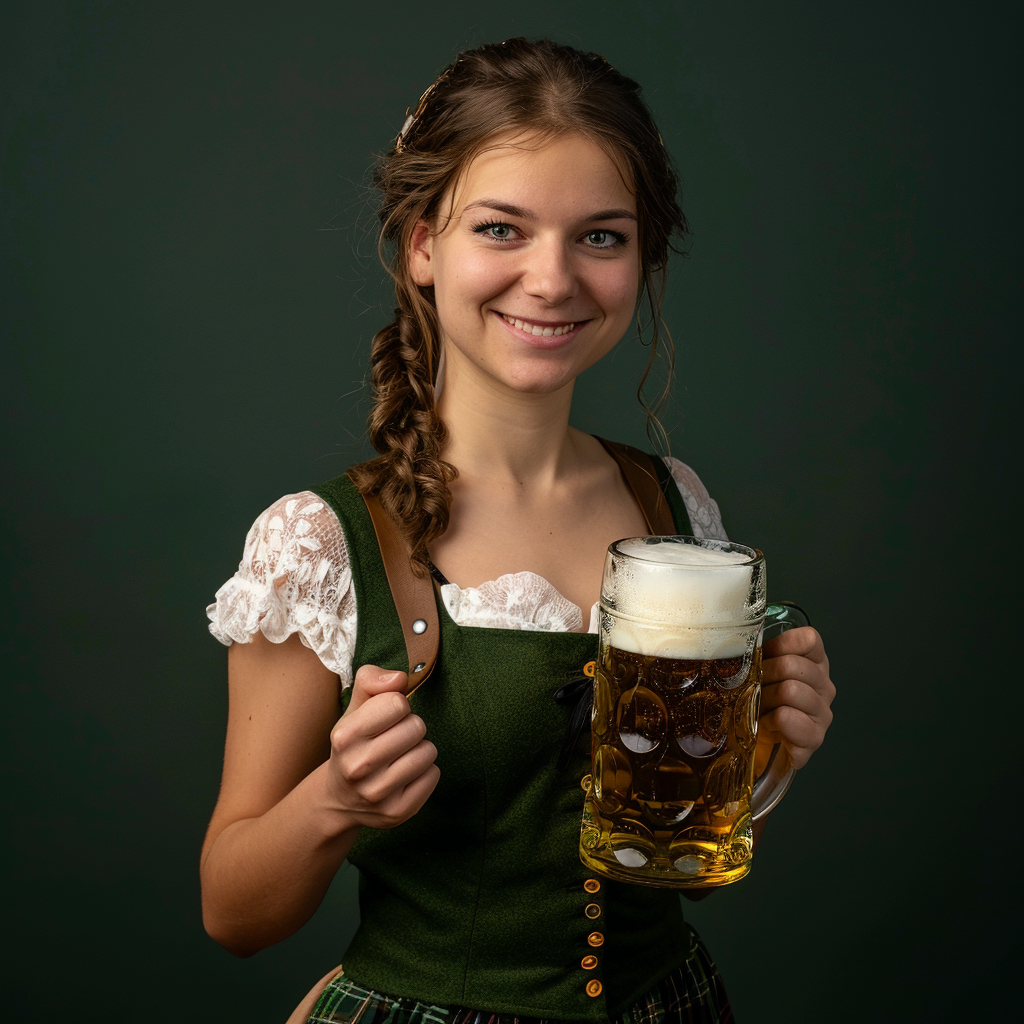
pixel 382 767
pixel 298 785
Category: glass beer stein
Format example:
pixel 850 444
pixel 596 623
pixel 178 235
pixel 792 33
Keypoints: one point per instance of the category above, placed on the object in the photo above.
pixel 677 688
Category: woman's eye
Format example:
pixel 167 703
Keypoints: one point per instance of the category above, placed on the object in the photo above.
pixel 602 239
pixel 500 232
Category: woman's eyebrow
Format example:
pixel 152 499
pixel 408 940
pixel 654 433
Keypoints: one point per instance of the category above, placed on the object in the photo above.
pixel 517 211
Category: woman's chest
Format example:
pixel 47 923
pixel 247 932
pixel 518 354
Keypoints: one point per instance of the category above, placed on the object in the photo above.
pixel 564 545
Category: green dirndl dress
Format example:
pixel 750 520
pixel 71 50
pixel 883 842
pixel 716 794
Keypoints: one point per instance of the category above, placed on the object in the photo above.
pixel 478 910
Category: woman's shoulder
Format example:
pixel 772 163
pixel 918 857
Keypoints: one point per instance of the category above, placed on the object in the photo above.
pixel 294 577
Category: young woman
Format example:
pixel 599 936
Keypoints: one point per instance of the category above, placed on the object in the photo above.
pixel 530 206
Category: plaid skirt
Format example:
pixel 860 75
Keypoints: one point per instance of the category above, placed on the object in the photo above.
pixel 692 994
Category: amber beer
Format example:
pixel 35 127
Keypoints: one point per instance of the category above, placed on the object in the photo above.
pixel 676 696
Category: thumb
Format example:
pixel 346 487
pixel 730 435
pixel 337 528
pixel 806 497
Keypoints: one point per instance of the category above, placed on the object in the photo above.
pixel 371 680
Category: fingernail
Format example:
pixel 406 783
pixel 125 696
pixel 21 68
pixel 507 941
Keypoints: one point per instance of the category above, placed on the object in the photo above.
pixel 389 677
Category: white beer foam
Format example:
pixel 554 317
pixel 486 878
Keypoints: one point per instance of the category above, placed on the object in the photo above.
pixel 690 603
pixel 678 642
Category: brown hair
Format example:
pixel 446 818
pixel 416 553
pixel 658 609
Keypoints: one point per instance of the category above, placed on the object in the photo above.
pixel 519 85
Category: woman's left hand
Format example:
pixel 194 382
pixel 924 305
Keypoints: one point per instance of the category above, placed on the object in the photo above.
pixel 796 694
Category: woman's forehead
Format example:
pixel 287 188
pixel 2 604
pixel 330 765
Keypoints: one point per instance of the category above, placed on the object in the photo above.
pixel 534 172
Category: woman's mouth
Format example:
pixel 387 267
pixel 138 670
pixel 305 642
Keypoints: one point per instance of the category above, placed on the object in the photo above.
pixel 539 330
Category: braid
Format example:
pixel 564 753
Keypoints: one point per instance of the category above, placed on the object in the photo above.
pixel 409 476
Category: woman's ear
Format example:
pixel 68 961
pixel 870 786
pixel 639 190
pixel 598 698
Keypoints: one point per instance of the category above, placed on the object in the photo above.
pixel 420 254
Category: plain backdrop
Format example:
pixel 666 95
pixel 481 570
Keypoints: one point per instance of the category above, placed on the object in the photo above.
pixel 189 290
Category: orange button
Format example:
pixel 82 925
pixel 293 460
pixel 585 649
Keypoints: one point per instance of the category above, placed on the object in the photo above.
pixel 588 963
pixel 592 885
pixel 594 987
pixel 595 939
pixel 590 668
pixel 592 910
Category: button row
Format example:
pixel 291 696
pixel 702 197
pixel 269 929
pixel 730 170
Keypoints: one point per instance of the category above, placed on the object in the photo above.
pixel 592 910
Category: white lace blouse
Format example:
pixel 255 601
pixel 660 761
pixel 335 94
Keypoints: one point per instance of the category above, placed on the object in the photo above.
pixel 295 577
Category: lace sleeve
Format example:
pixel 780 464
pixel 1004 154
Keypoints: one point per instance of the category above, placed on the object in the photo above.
pixel 294 577
pixel 705 519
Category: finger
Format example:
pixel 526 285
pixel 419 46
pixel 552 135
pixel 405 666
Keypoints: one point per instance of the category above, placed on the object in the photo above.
pixel 794 666
pixel 792 693
pixel 403 772
pixel 417 792
pixel 406 802
pixel 388 746
pixel 805 640
pixel 375 716
pixel 364 753
pixel 371 680
pixel 800 733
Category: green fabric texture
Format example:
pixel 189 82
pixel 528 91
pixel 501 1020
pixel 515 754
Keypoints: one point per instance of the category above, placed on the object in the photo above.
pixel 478 899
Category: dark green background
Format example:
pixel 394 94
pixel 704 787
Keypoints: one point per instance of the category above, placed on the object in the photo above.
pixel 189 292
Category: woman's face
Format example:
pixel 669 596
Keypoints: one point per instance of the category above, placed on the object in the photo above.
pixel 537 271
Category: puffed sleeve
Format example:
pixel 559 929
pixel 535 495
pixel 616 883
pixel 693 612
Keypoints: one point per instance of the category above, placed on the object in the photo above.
pixel 294 577
pixel 705 519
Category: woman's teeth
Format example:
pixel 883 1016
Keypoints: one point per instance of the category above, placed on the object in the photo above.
pixel 536 329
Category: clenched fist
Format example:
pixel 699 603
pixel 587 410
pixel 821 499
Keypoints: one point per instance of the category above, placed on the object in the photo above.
pixel 381 767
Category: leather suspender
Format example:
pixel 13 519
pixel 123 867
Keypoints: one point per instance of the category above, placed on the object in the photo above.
pixel 414 595
pixel 646 487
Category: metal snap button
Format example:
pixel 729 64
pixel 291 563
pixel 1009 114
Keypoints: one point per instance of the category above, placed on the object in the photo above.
pixel 592 910
pixel 595 939
pixel 419 626
pixel 592 885
pixel 588 963
pixel 594 987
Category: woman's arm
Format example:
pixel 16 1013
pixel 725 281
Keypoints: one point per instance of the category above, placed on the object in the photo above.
pixel 299 783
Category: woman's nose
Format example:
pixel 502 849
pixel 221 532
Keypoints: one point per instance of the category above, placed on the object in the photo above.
pixel 549 273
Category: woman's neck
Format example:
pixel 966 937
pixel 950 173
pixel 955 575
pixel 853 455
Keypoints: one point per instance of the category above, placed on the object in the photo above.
pixel 507 437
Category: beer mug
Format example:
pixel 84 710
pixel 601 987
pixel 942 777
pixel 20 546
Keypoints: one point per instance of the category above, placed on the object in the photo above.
pixel 677 687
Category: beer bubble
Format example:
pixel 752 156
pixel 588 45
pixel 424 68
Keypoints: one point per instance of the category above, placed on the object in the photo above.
pixel 673 676
pixel 697 724
pixel 642 720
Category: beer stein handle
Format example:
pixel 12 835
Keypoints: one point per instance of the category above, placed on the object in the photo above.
pixel 772 784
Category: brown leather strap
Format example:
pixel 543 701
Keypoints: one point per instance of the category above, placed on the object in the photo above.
pixel 413 595
pixel 646 487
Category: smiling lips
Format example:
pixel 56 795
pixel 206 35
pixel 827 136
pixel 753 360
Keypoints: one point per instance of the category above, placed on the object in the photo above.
pixel 538 330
